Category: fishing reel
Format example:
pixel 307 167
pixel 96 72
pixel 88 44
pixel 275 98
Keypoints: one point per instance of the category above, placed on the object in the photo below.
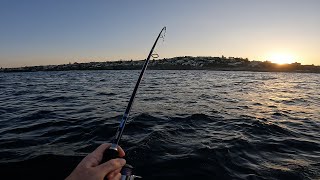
pixel 127 170
pixel 126 173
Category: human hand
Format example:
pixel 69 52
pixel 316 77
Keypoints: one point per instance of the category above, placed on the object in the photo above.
pixel 91 169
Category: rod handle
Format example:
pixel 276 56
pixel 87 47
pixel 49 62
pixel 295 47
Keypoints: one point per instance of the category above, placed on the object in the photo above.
pixel 109 154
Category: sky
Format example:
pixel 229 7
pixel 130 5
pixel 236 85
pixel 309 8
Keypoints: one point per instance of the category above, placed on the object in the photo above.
pixel 46 32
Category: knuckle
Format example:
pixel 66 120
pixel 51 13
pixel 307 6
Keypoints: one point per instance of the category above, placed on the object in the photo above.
pixel 113 162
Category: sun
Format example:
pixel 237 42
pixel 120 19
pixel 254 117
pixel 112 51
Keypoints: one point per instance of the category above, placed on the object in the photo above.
pixel 282 58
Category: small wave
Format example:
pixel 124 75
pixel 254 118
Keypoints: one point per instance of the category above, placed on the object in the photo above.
pixel 206 96
pixel 244 107
pixel 265 78
pixel 272 106
pixel 59 99
pixel 257 104
pixel 255 127
pixel 52 99
pixel 85 110
pixel 40 114
pixel 301 144
pixel 106 94
pixel 20 93
pixel 154 99
pixel 29 127
pixel 278 114
pixel 294 101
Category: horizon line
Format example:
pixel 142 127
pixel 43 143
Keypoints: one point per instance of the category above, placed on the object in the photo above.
pixel 222 56
pixel 113 60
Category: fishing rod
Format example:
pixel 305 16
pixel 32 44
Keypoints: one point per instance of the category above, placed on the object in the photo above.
pixel 113 152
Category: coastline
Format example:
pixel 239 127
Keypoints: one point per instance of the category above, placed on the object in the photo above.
pixel 178 63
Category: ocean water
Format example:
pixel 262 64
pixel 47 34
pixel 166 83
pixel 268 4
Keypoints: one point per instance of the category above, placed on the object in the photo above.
pixel 183 124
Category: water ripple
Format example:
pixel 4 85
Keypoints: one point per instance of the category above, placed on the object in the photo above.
pixel 184 124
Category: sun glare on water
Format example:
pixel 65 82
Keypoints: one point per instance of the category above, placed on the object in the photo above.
pixel 282 58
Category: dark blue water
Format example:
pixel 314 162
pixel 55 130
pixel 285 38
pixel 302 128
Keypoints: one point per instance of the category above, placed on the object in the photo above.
pixel 183 125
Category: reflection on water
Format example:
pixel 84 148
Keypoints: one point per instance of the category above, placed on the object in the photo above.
pixel 216 125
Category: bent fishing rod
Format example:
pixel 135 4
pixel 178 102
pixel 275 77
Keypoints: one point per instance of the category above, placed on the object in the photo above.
pixel 112 152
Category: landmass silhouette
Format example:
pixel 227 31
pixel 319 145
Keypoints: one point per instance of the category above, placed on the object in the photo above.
pixel 178 63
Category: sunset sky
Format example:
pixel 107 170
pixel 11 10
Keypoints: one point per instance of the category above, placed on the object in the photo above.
pixel 56 32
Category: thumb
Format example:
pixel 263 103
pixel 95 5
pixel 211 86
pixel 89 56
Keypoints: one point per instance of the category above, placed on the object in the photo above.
pixel 111 165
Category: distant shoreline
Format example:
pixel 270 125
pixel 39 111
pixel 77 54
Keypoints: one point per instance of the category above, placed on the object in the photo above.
pixel 178 63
